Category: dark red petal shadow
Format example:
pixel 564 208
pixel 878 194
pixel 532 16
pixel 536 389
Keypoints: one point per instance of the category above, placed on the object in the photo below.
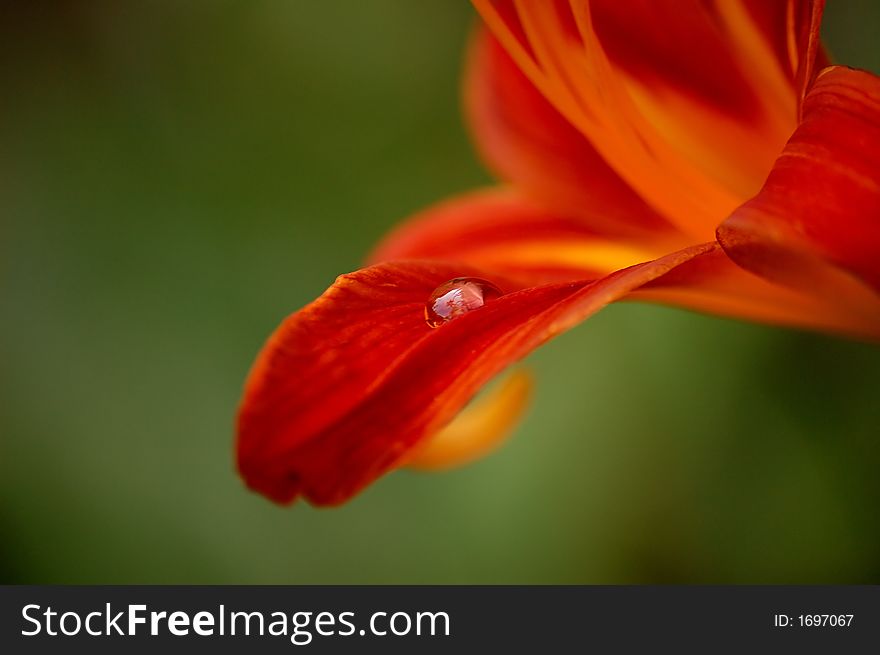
pixel 685 43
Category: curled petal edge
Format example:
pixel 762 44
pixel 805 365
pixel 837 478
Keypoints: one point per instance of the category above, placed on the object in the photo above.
pixel 815 225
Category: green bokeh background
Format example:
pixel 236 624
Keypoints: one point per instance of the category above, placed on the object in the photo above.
pixel 176 177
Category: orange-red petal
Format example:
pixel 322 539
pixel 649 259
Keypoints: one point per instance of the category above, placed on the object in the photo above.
pixel 356 383
pixel 347 387
pixel 502 231
pixel 815 225
pixel 703 48
pixel 525 140
pixel 671 97
pixel 510 237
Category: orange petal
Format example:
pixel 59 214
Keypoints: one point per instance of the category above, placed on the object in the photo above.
pixel 815 225
pixel 705 76
pixel 323 360
pixel 526 141
pixel 509 237
pixel 349 387
pixel 715 285
pixel 501 231
pixel 730 54
pixel 672 98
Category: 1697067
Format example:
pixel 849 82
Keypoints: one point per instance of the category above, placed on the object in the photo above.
pixel 813 620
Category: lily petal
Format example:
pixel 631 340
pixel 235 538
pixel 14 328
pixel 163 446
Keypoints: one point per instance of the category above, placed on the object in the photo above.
pixel 739 56
pixel 510 237
pixel 353 385
pixel 348 387
pixel 671 98
pixel 501 231
pixel 323 360
pixel 815 225
pixel 526 141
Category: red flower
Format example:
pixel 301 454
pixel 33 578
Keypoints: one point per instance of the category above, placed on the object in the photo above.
pixel 687 153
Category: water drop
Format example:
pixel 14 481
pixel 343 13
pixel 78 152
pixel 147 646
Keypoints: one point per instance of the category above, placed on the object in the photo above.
pixel 458 296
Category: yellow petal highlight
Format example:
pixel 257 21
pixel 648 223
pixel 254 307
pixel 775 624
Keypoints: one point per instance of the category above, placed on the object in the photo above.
pixel 603 256
pixel 479 429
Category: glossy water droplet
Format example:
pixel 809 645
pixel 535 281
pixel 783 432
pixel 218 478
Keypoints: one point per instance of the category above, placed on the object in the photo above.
pixel 458 296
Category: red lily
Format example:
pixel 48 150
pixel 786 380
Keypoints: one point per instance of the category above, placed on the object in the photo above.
pixel 695 153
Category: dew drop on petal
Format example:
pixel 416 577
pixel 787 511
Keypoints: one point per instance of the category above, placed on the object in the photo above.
pixel 458 296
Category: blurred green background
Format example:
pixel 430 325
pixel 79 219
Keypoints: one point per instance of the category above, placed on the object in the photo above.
pixel 176 177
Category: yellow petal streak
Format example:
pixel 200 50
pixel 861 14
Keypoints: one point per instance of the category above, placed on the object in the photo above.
pixel 479 429
pixel 601 256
